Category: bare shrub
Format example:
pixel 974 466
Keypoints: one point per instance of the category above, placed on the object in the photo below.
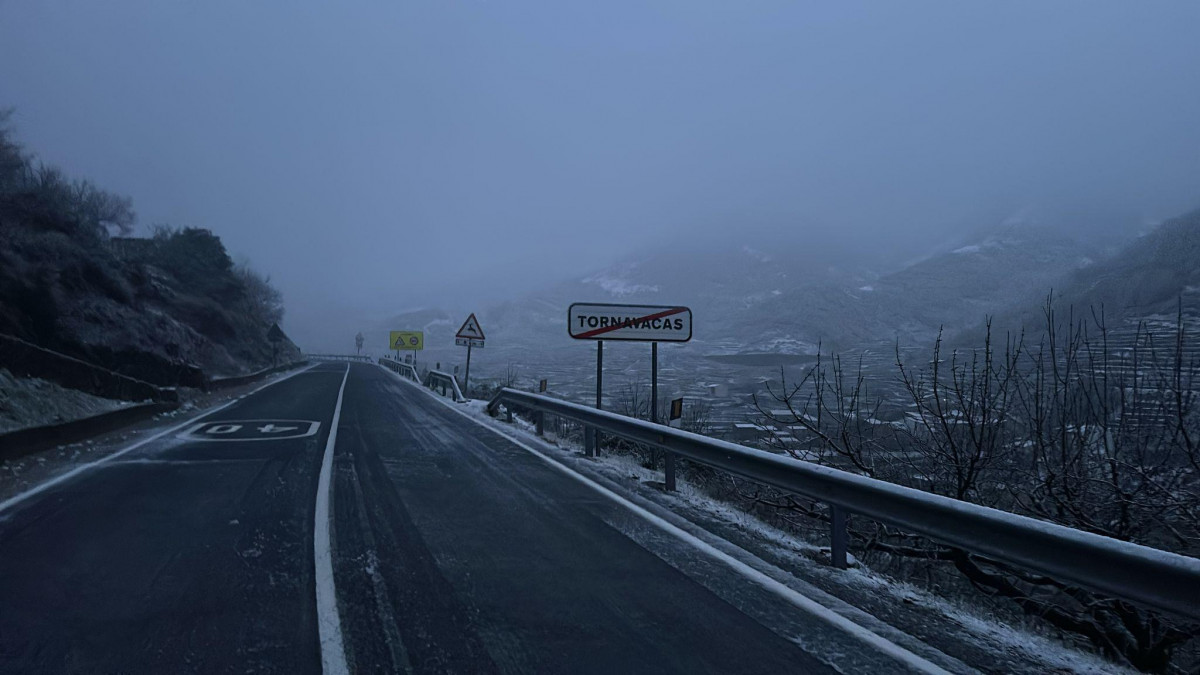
pixel 1074 429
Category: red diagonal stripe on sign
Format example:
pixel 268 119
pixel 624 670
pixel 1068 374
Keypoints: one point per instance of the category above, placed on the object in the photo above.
pixel 607 329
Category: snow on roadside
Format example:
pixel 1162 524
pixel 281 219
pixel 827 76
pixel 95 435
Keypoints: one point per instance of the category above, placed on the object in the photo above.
pixel 985 631
pixel 33 402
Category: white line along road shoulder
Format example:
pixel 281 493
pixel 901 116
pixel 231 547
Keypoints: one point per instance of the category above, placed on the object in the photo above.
pixel 329 623
pixel 815 609
pixel 42 487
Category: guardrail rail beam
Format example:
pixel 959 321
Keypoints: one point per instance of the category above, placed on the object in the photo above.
pixel 1148 576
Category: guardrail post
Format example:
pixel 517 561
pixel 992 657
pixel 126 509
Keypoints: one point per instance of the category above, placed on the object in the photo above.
pixel 589 441
pixel 838 540
pixel 508 414
pixel 541 423
pixel 670 471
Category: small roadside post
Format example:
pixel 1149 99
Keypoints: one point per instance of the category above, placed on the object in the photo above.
pixel 838 537
pixel 541 416
pixel 674 419
pixel 633 323
pixel 469 335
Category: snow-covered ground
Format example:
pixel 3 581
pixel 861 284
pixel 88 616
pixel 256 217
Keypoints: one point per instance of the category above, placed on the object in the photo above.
pixel 31 402
pixel 615 282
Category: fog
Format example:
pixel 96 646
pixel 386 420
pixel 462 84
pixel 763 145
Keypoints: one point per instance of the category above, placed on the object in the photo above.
pixel 401 154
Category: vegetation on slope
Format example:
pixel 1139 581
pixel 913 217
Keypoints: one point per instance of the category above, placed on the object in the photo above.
pixel 161 308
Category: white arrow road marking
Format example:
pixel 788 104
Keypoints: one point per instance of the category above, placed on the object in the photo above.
pixel 272 429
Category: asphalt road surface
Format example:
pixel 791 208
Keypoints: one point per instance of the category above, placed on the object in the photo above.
pixel 451 548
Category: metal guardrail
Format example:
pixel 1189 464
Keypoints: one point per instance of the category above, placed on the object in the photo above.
pixel 401 368
pixel 224 382
pixel 447 382
pixel 337 357
pixel 1166 581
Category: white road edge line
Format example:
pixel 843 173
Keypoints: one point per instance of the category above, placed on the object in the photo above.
pixel 329 623
pixel 42 487
pixel 797 599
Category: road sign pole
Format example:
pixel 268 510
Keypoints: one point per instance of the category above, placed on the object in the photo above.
pixel 654 383
pixel 599 374
pixel 467 375
pixel 669 459
pixel 594 434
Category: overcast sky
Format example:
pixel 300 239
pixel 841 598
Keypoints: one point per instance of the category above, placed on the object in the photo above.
pixel 392 154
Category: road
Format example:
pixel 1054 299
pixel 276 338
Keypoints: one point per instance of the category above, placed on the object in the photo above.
pixel 452 549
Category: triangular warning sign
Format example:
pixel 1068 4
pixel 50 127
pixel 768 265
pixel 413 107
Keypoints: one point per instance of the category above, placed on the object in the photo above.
pixel 470 329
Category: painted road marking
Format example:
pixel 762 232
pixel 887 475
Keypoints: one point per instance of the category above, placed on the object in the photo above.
pixel 329 623
pixel 765 581
pixel 250 430
pixel 42 487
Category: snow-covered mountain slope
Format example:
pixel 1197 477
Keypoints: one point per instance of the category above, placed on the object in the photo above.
pixel 771 297
pixel 787 299
pixel 1152 276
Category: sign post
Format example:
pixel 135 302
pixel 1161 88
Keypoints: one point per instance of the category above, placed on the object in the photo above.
pixel 654 383
pixel 469 335
pixel 275 335
pixel 599 394
pixel 669 460
pixel 634 323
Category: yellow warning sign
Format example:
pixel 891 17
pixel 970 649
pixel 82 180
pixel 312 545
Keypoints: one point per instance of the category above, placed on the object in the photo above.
pixel 406 339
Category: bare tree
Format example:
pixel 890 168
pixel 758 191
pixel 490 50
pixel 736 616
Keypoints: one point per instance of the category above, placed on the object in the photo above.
pixel 510 377
pixel 1075 429
pixel 262 300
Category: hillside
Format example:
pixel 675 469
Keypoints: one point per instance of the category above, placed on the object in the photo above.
pixel 1150 277
pixel 787 300
pixel 162 309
